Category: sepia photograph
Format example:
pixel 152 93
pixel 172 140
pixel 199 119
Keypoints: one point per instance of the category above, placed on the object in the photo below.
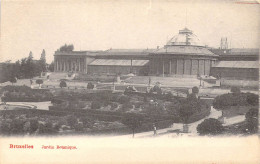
pixel 83 76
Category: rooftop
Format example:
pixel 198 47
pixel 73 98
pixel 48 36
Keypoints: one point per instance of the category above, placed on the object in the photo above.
pixel 185 50
pixel 112 62
pixel 185 37
pixel 237 64
pixel 236 51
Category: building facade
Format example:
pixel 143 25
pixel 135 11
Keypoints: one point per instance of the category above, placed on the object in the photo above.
pixel 183 55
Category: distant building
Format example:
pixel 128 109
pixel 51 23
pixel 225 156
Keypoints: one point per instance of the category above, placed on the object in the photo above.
pixel 183 55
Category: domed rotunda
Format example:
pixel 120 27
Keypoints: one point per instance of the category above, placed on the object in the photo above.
pixel 183 54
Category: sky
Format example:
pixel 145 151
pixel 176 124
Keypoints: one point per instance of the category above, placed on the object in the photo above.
pixel 99 25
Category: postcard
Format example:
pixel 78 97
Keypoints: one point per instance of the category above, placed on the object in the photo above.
pixel 116 81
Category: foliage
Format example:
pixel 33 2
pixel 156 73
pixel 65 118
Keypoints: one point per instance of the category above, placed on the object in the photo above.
pixel 39 81
pixel 156 89
pixel 133 121
pixel 87 122
pixel 24 94
pixel 42 61
pixel 16 126
pixel 51 67
pixel 251 125
pixel 96 105
pixel 13 79
pixel 252 99
pixel 63 84
pixel 72 121
pixel 186 110
pixel 210 126
pixel 66 47
pixel 24 68
pixel 47 128
pixel 90 85
pixel 123 99
pixel 34 124
pixel 195 90
pixel 230 99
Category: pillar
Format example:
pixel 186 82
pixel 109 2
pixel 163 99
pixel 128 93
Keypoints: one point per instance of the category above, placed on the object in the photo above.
pixel 191 67
pixel 57 64
pixel 183 66
pixel 163 67
pixel 79 66
pixel 64 65
pixel 204 67
pixel 170 67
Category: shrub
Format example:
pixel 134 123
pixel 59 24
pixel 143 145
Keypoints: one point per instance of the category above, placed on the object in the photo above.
pixel 90 85
pixel 33 126
pixel 4 128
pixel 251 125
pixel 79 127
pixel 195 90
pixel 113 105
pixel 63 84
pixel 46 128
pixel 39 81
pixel 96 105
pixel 252 99
pixel 72 121
pixel 242 99
pixel 210 126
pixel 13 80
pixel 87 122
pixel 16 126
pixel 123 99
pixel 133 121
pixel 126 107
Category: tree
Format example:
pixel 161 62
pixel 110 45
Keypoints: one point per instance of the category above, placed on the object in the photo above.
pixel 42 62
pixel 39 82
pixel 51 66
pixel 63 84
pixel 43 56
pixel 185 111
pixel 66 47
pixel 30 57
pixel 133 121
pixel 210 126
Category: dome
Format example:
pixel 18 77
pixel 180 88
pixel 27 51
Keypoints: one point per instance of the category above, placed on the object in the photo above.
pixel 185 37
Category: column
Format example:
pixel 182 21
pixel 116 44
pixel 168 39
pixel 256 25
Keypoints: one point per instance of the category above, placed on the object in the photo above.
pixel 204 67
pixel 163 67
pixel 79 64
pixel 191 67
pixel 170 67
pixel 57 64
pixel 183 66
pixel 64 65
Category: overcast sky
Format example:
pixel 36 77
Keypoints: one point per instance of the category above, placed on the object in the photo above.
pixel 99 25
